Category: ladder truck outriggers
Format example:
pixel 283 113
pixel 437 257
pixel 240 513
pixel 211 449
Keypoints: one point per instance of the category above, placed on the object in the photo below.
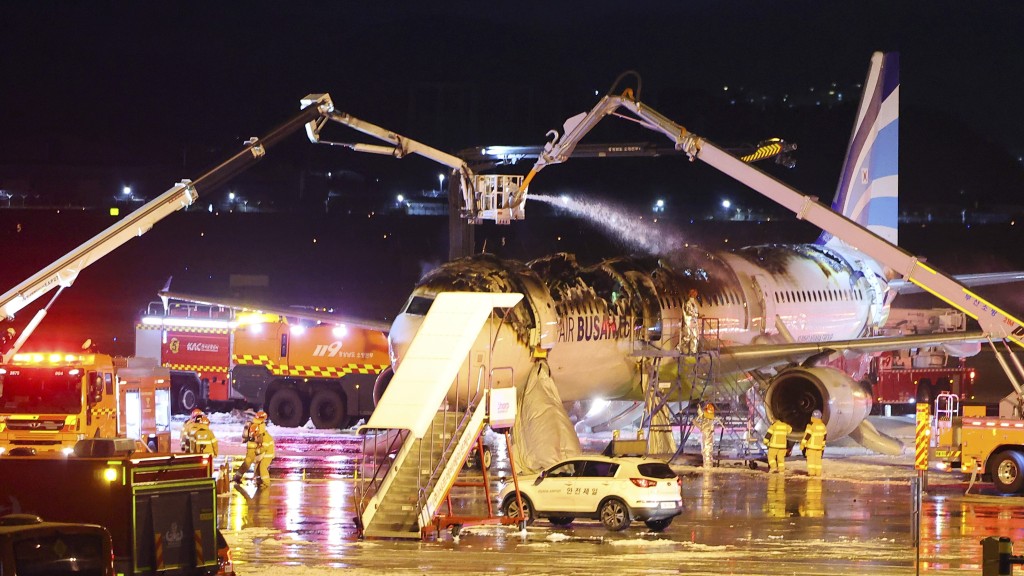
pixel 996 324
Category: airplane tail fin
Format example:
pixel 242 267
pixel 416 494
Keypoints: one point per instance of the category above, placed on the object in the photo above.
pixel 868 191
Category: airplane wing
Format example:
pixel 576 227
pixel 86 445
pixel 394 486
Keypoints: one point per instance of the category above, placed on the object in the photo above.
pixel 987 279
pixel 315 316
pixel 758 356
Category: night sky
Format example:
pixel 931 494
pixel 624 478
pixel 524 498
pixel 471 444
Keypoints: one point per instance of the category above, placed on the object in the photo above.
pixel 147 93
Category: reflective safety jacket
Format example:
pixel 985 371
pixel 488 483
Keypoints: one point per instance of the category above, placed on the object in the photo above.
pixel 814 435
pixel 777 433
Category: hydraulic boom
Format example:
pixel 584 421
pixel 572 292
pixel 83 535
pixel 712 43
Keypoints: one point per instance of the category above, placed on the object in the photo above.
pixel 994 322
pixel 66 269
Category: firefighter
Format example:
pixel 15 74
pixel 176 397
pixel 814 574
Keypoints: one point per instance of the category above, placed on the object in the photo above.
pixel 813 443
pixel 7 340
pixel 690 313
pixel 203 440
pixel 188 430
pixel 706 422
pixel 248 436
pixel 775 439
pixel 264 449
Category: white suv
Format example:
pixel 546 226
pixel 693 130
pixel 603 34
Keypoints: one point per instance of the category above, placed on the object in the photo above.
pixel 613 490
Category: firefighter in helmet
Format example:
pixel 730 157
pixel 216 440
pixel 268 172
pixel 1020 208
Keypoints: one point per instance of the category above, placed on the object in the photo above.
pixel 248 436
pixel 7 340
pixel 188 430
pixel 706 422
pixel 203 440
pixel 264 449
pixel 813 443
pixel 776 440
pixel 690 313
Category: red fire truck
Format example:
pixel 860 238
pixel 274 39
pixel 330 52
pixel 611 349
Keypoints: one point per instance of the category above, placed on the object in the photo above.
pixel 902 378
pixel 49 401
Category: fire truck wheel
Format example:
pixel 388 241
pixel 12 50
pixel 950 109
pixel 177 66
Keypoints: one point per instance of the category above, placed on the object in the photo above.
pixel 287 409
pixel 1007 470
pixel 327 409
pixel 188 398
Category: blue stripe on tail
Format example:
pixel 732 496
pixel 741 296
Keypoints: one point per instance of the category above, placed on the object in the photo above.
pixel 868 190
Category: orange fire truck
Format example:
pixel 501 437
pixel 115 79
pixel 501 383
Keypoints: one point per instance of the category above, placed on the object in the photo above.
pixel 51 400
pixel 294 365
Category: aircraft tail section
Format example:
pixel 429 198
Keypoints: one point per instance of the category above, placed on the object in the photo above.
pixel 868 190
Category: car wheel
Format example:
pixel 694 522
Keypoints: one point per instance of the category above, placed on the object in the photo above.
pixel 658 525
pixel 327 409
pixel 615 515
pixel 1007 471
pixel 287 409
pixel 561 520
pixel 511 508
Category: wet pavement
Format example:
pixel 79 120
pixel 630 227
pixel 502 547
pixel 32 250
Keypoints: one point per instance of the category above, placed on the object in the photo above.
pixel 858 519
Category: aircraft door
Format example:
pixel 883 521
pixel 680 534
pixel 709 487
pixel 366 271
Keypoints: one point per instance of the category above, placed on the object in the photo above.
pixel 764 319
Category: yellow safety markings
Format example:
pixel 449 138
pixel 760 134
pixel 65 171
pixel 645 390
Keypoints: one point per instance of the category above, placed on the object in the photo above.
pixel 766 151
pixel 196 367
pixel 104 411
pixel 189 329
pixel 308 371
pixel 922 437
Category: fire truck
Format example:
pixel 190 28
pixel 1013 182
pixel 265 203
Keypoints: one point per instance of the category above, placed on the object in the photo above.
pixel 898 379
pixel 901 378
pixel 296 366
pixel 991 448
pixel 51 400
pixel 160 509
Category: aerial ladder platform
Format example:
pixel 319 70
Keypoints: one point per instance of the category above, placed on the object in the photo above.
pixel 419 437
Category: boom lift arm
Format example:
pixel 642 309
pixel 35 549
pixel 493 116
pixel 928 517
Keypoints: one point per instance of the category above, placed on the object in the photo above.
pixel 484 197
pixel 66 269
pixel 994 322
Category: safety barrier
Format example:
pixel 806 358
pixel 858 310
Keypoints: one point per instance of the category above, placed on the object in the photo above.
pixel 997 557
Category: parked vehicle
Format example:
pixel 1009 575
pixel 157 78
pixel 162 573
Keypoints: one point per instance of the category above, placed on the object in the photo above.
pixel 615 491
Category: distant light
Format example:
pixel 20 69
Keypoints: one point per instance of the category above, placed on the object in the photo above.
pixel 564 198
pixel 726 204
pixel 231 195
pixel 401 198
pixel 339 331
pixel 660 203
pixel 127 190
pixel 440 180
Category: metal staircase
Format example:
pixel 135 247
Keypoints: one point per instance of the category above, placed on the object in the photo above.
pixel 414 444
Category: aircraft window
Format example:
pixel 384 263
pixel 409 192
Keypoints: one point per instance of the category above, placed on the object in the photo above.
pixel 419 305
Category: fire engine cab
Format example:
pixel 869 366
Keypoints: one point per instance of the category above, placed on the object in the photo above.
pixel 51 400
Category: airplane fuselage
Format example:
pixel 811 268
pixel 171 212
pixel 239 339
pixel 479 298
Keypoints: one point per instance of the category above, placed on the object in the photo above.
pixel 592 321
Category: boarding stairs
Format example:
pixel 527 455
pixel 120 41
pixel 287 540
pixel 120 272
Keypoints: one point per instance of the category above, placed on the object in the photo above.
pixel 414 444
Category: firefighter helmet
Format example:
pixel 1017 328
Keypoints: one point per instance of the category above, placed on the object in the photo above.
pixel 196 412
pixel 709 410
pixel 816 414
pixel 261 415
pixel 692 293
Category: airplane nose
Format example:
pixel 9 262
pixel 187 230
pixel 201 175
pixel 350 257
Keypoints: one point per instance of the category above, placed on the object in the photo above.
pixel 403 330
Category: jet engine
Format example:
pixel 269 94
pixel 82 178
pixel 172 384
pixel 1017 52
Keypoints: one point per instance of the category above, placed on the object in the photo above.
pixel 796 392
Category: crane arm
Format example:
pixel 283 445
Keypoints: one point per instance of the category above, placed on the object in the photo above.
pixel 66 269
pixel 995 322
pixel 479 192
